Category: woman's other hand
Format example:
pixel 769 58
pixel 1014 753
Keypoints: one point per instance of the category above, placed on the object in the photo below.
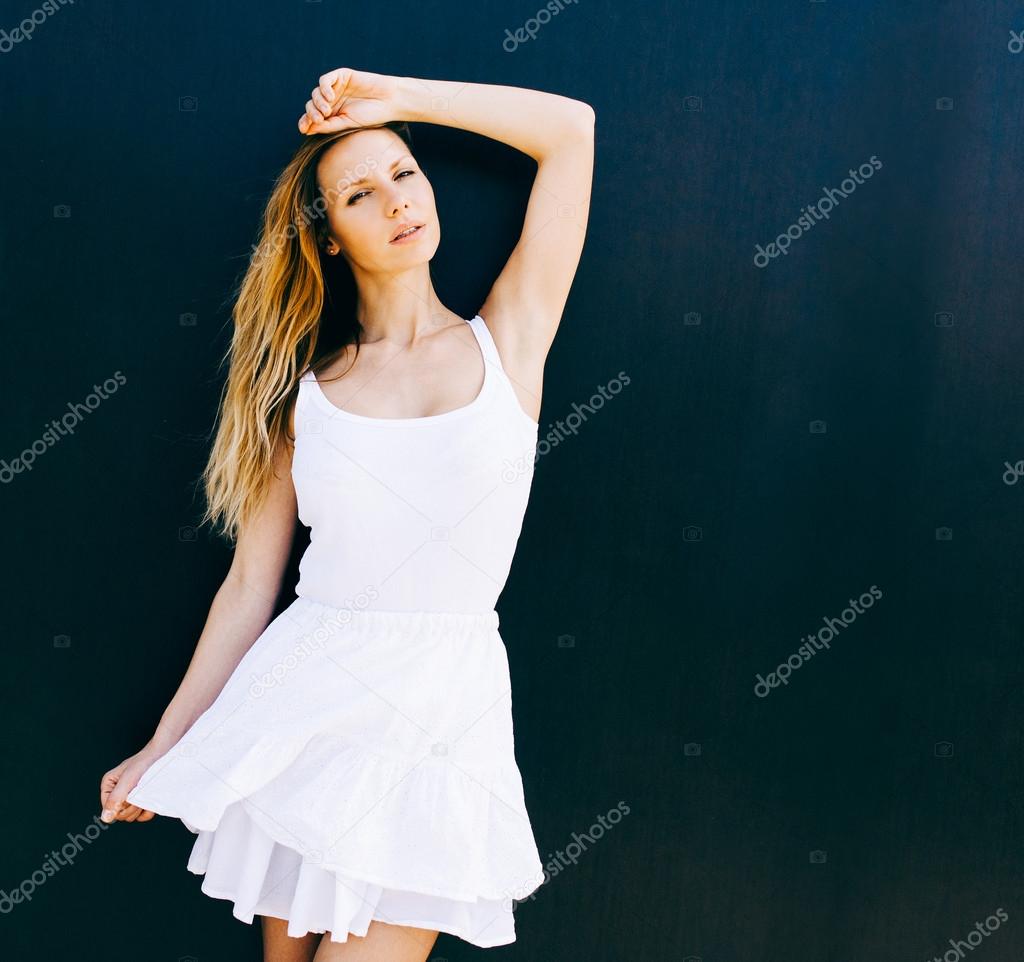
pixel 118 782
pixel 345 99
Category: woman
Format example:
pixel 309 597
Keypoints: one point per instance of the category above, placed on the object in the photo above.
pixel 348 766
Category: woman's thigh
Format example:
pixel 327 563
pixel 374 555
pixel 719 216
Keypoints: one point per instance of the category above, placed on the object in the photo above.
pixel 383 942
pixel 279 946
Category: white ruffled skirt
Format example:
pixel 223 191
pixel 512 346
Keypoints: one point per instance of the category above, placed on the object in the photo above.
pixel 359 765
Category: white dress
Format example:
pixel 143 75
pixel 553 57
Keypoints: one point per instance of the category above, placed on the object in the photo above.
pixel 359 762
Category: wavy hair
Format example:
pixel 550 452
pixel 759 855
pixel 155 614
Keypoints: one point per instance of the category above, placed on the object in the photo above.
pixel 295 307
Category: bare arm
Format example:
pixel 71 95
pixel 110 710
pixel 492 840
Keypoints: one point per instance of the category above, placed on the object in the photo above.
pixel 525 304
pixel 241 609
pixel 533 121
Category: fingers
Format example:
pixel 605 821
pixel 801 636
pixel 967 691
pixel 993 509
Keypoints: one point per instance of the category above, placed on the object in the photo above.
pixel 132 813
pixel 114 791
pixel 125 812
pixel 314 114
pixel 326 83
pixel 129 813
pixel 323 101
pixel 328 126
pixel 324 104
pixel 112 796
pixel 107 785
pixel 334 81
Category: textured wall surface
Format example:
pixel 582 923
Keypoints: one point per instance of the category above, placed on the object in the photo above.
pixel 764 623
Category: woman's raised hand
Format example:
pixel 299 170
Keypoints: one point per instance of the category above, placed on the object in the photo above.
pixel 346 98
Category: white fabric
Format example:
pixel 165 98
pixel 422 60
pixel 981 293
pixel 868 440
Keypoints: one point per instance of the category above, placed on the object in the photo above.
pixel 359 763
pixel 427 511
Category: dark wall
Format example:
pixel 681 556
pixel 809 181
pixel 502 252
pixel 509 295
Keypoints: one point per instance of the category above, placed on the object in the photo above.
pixel 846 417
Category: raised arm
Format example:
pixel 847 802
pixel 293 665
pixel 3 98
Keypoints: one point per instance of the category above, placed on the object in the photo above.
pixel 525 304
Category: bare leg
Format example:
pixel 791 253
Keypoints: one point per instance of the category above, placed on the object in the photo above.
pixel 279 946
pixel 383 942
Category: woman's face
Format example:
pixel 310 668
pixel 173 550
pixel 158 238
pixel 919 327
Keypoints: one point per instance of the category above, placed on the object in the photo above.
pixel 374 187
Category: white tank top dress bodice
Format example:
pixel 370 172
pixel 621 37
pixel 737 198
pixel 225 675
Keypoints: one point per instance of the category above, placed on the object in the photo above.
pixel 359 762
pixel 422 513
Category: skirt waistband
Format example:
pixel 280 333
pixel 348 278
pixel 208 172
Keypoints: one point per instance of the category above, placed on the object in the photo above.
pixel 419 623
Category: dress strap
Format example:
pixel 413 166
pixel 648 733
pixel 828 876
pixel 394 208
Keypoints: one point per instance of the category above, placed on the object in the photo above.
pixel 487 345
pixel 304 398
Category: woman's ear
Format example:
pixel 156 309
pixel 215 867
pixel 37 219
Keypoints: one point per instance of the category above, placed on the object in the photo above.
pixel 323 240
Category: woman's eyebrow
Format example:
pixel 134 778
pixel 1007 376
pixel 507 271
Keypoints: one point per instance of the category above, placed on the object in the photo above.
pixel 362 180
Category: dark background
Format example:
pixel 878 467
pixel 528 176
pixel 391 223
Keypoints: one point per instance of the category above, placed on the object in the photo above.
pixel 687 537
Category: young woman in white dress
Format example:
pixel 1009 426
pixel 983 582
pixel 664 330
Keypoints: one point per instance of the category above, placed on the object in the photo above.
pixel 354 209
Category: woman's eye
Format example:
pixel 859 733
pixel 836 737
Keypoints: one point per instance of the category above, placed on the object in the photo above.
pixel 356 197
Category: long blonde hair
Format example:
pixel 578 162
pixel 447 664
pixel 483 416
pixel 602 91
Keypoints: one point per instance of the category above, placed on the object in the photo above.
pixel 279 306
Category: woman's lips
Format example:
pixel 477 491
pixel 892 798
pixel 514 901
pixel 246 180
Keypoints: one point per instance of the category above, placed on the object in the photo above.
pixel 405 238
